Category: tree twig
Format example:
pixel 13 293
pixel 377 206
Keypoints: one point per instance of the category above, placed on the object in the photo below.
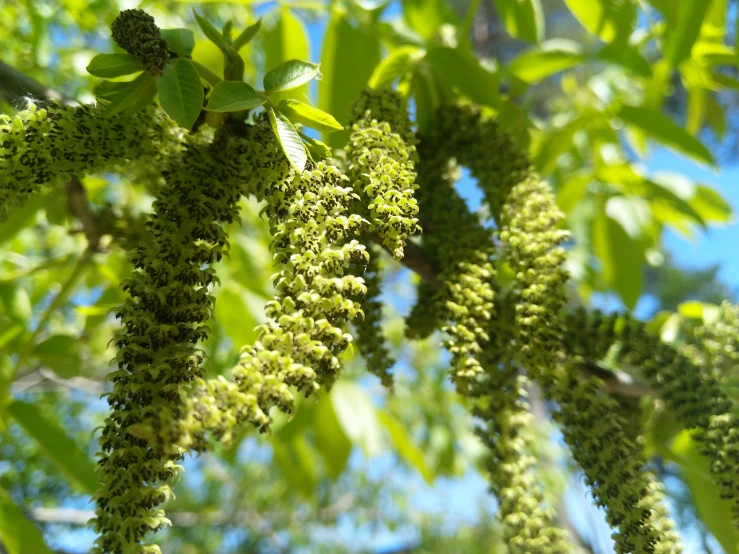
pixel 15 86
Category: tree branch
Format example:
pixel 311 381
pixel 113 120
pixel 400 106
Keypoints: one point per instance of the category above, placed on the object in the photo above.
pixel 14 86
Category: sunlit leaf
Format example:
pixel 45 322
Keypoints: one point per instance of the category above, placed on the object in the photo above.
pixel 711 206
pixel 289 139
pixel 287 40
pixel 357 415
pixel 714 512
pixel 296 459
pixel 464 71
pixel 133 96
pixel 179 41
pixel 550 57
pixel 237 315
pixel 309 116
pixel 76 466
pixel 332 442
pixel 316 149
pixel 15 303
pixel 396 64
pixel 663 129
pixel 681 35
pixel 350 54
pixel 427 16
pixel 18 534
pixel 523 19
pixel 247 35
pixel 114 65
pixel 621 255
pixel 404 446
pixel 60 353
pixel 553 143
pixel 611 20
pixel 180 92
pixel 233 96
pixel 211 32
pixel 627 56
pixel 290 75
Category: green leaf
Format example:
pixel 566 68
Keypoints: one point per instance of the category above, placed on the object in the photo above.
pixel 290 75
pixel 331 440
pixel 350 54
pixel 550 57
pixel 179 41
pixel 426 96
pixel 296 459
pixel 287 40
pixel 357 415
pixel 114 65
pixel 316 149
pixel 710 205
pixel 309 116
pixel 212 33
pixel 427 16
pixel 556 142
pixel 76 466
pixel 407 451
pixel 463 71
pixel 106 90
pixel 18 534
pixel 681 37
pixel 233 96
pixel 621 255
pixel 247 35
pixel 133 96
pixel 22 217
pixel 239 312
pixel 396 64
pixel 714 512
pixel 60 353
pixel 611 20
pixel 15 303
pixel 626 56
pixel 180 92
pixel 289 139
pixel 572 190
pixel 676 190
pixel 632 212
pixel 523 19
pixel 666 131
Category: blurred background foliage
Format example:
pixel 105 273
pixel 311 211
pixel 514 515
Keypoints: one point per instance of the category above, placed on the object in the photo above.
pixel 592 87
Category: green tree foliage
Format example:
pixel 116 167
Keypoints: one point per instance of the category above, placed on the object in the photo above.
pixel 231 261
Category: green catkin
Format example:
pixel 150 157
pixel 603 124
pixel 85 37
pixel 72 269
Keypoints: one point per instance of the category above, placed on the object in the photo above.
pixel 313 248
pixel 590 424
pixel 136 32
pixel 463 250
pixel 479 144
pixel 714 346
pixel 43 147
pixel 381 155
pixel 694 396
pixel 527 219
pixel 370 338
pixel 163 320
pixel 528 525
pixel 612 463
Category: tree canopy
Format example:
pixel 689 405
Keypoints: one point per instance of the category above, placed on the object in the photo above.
pixel 321 255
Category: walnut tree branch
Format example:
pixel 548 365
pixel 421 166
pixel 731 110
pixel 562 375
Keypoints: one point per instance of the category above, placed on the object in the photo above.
pixel 15 86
